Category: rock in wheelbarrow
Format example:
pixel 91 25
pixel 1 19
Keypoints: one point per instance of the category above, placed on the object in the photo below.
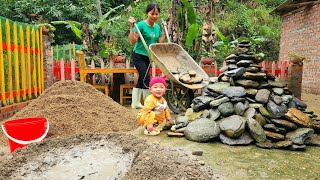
pixel 192 73
pixel 185 78
pixel 196 80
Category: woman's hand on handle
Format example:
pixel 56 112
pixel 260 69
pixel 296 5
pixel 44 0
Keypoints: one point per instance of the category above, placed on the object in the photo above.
pixel 163 35
pixel 131 20
pixel 133 37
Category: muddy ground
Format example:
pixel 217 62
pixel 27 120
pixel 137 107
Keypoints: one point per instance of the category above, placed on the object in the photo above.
pixel 71 150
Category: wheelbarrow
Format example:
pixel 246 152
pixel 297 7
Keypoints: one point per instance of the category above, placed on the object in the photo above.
pixel 169 57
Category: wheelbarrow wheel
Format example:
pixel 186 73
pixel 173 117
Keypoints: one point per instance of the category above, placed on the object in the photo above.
pixel 179 98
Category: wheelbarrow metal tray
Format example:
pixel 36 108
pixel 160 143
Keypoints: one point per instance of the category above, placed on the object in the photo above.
pixel 170 56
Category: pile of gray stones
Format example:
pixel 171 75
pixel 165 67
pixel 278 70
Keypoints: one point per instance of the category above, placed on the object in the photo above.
pixel 246 105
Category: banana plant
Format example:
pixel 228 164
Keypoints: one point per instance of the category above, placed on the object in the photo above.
pixel 74 25
pixel 193 31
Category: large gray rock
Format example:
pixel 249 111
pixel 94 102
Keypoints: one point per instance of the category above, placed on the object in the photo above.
pixel 249 113
pixel 236 72
pixel 299 103
pixel 276 83
pixel 256 131
pixel 277 91
pixel 244 63
pixel 244 139
pixel 276 99
pixel 239 108
pixel 286 98
pixel 300 135
pixel 214 114
pixel 263 96
pixel 274 128
pixel 254 76
pixel 247 83
pixel 217 87
pixel 219 101
pixel 202 130
pixel 276 111
pixel 313 140
pixel 226 109
pixel 234 91
pixel 233 126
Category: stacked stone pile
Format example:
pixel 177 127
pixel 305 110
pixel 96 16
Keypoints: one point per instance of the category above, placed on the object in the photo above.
pixel 247 105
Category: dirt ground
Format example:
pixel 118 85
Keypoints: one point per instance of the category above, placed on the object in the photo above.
pixel 75 110
pixel 73 107
pixel 120 150
pixel 104 156
pixel 313 102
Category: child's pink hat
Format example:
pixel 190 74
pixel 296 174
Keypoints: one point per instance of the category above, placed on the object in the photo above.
pixel 161 79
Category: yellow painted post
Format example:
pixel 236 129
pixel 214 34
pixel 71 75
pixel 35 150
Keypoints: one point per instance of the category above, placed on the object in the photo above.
pixel 42 59
pixel 38 62
pixel 34 69
pixel 64 53
pixel 82 64
pixel 28 62
pixel 2 83
pixel 16 62
pixel 23 65
pixel 9 62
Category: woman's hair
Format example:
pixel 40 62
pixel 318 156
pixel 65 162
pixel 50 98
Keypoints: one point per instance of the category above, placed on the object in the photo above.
pixel 151 6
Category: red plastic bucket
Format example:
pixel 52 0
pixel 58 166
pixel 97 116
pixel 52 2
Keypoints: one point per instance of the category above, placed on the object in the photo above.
pixel 21 132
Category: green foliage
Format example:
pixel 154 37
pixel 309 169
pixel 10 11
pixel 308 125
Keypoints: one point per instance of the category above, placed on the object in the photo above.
pixel 75 26
pixel 191 26
pixel 100 31
pixel 192 34
pixel 296 55
pixel 44 11
pixel 237 19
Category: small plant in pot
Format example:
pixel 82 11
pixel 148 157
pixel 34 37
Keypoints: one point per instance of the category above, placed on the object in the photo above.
pixel 296 58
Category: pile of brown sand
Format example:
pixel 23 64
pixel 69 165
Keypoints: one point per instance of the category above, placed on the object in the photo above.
pixel 74 107
pixel 97 156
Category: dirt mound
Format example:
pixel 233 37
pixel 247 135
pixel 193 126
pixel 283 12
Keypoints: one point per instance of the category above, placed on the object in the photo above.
pixel 74 107
pixel 136 159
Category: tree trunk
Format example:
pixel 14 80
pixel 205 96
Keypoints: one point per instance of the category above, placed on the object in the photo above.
pixel 208 29
pixel 99 8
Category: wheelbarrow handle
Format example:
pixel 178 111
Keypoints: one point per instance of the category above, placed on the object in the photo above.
pixel 165 29
pixel 142 39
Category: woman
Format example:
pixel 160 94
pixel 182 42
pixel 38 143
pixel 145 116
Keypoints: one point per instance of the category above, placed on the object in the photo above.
pixel 151 33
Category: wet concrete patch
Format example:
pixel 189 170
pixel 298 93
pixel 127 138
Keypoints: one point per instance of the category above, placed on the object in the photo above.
pixel 84 161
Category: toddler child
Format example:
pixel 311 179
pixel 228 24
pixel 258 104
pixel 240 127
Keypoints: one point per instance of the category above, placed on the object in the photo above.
pixel 155 113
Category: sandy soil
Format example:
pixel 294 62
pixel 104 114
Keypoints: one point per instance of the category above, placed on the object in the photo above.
pixel 75 109
pixel 107 156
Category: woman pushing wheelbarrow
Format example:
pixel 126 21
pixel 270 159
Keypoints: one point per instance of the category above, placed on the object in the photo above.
pixel 184 74
pixel 151 33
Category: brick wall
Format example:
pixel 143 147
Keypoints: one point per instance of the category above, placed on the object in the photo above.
pixel 300 33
